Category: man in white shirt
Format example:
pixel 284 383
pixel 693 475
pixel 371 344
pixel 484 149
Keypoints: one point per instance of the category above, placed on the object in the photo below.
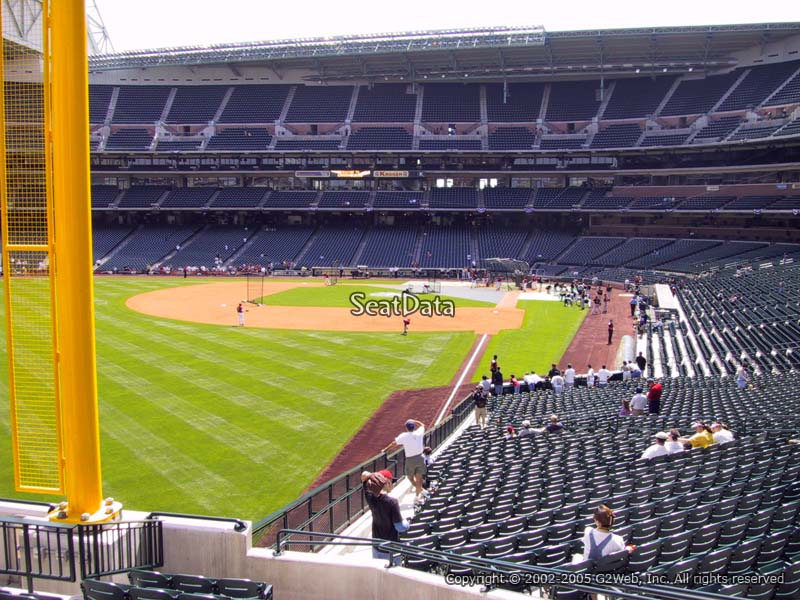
pixel 569 376
pixel 558 383
pixel 638 403
pixel 656 449
pixel 722 435
pixel 486 384
pixel 603 376
pixel 413 442
pixel 590 377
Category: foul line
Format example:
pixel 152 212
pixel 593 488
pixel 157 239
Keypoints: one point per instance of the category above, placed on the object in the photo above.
pixel 460 380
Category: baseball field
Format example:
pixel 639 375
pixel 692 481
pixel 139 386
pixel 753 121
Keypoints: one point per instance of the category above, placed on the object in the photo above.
pixel 199 415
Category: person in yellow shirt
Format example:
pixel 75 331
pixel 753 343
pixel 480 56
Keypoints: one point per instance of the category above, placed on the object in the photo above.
pixel 702 438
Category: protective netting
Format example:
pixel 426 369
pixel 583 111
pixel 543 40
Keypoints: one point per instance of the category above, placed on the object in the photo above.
pixel 26 194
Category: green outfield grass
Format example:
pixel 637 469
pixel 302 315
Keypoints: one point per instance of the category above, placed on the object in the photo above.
pixel 339 295
pixel 547 330
pixel 233 421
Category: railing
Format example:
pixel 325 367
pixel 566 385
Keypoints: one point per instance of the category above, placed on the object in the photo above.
pixel 118 547
pixel 36 550
pixel 238 524
pixel 39 550
pixel 338 503
pixel 494 573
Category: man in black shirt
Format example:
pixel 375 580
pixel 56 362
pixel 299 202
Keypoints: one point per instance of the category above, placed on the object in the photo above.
pixel 553 370
pixel 479 396
pixel 387 522
pixel 642 362
pixel 497 381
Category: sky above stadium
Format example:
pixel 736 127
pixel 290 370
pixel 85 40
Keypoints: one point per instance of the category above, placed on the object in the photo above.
pixel 164 23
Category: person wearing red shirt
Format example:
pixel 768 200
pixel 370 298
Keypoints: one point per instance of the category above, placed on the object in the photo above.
pixel 654 397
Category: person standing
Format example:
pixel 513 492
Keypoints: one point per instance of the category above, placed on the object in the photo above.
pixel 406 323
pixel 557 381
pixel 590 377
pixel 633 304
pixel 641 361
pixel 497 381
pixel 387 522
pixel 481 400
pixel 569 376
pixel 654 397
pixel 742 375
pixel 638 403
pixel 603 375
pixel 610 332
pixel 240 314
pixel 413 442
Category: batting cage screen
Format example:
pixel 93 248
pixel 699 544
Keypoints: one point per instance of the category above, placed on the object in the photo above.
pixel 255 287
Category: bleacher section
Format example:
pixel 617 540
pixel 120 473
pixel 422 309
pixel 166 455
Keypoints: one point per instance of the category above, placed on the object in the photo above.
pixel 719 129
pixel 602 200
pixel 632 248
pixel 99 99
pixel 399 200
pixel 240 140
pixel 512 138
pixel 380 138
pixel 663 139
pixel 522 103
pixel 346 200
pixel 290 199
pixel 130 140
pixel 146 246
pixel 389 247
pixel 752 132
pixel 288 143
pixel 154 585
pixel 617 136
pixel 451 103
pixel 174 145
pixel 453 142
pixel 672 252
pixel 219 242
pixel 547 245
pixel 725 510
pixel 636 98
pixel 573 101
pixel 586 249
pixel 385 104
pixel 562 142
pixel 332 246
pixel 789 93
pixel 106 239
pixel 702 260
pixel 737 315
pixel 239 197
pixel 506 198
pixel 457 198
pixel 103 195
pixel 704 203
pixel 188 198
pixel 141 196
pixel 255 104
pixel 319 104
pixel 500 243
pixel 196 104
pixel 758 85
pixel 698 96
pixel 554 198
pixel 445 247
pixel 274 246
pixel 140 104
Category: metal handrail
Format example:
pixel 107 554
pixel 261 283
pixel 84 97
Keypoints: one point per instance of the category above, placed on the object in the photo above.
pixel 549 577
pixel 239 525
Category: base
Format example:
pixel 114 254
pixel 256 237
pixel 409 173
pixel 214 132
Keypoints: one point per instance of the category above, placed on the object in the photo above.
pixel 109 511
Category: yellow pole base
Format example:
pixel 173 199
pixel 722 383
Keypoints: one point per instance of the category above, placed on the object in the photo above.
pixel 111 510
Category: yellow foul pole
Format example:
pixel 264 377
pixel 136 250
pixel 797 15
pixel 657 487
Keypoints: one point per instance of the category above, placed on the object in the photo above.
pixel 73 262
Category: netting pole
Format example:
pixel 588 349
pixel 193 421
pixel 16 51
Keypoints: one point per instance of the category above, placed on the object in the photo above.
pixel 73 261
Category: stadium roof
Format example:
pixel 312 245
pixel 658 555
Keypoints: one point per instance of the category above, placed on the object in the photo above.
pixel 490 52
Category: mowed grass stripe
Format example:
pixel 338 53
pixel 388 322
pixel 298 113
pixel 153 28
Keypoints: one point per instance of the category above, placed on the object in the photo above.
pixel 235 421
